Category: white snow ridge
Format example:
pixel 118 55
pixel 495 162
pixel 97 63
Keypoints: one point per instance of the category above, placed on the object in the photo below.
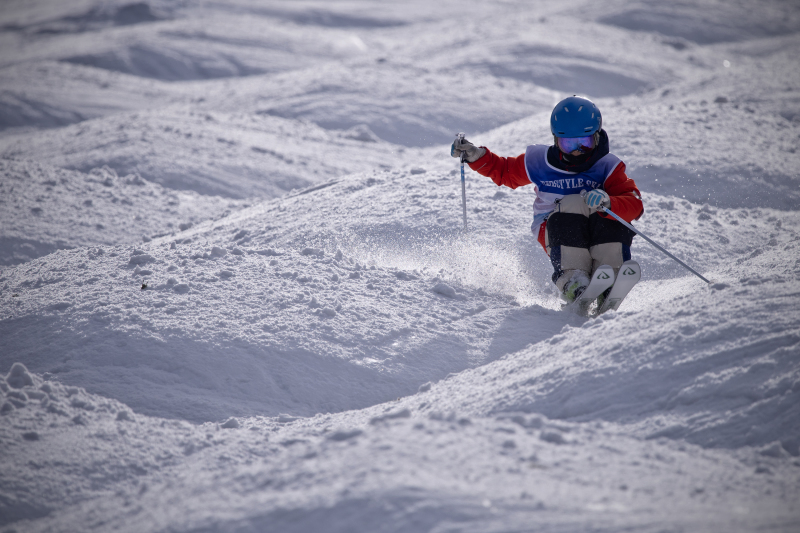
pixel 236 294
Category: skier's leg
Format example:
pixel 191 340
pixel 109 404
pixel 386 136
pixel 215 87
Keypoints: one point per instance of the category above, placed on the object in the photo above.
pixel 609 242
pixel 567 241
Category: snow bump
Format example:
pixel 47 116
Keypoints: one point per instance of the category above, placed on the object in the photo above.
pixel 141 259
pixel 181 288
pixel 444 289
pixel 19 377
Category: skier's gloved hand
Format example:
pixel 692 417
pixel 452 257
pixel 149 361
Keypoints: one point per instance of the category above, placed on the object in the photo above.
pixel 472 152
pixel 596 198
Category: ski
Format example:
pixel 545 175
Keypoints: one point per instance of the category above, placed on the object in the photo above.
pixel 629 275
pixel 602 279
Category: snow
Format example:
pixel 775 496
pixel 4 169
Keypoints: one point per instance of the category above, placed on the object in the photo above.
pixel 236 290
pixel 234 156
pixel 46 208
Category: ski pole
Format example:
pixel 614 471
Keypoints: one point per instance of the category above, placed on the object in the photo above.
pixel 648 239
pixel 460 137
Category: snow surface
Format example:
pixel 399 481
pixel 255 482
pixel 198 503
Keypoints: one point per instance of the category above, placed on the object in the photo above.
pixel 46 208
pixel 237 293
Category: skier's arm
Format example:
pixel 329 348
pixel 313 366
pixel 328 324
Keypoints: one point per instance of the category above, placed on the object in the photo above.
pixel 508 171
pixel 626 200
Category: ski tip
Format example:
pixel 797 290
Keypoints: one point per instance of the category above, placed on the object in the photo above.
pixel 630 270
pixel 603 272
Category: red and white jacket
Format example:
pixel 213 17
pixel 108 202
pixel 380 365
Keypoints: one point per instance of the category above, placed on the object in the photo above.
pixel 552 184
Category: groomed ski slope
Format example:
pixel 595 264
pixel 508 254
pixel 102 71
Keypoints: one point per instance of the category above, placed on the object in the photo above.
pixel 319 345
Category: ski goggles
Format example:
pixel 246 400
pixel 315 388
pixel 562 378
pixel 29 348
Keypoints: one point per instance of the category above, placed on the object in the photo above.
pixel 571 144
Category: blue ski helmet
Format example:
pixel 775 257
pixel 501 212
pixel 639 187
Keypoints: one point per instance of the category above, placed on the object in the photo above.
pixel 575 117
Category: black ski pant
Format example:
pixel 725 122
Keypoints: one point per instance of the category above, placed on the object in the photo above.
pixel 578 240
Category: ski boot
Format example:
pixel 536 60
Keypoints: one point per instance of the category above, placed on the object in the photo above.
pixel 573 290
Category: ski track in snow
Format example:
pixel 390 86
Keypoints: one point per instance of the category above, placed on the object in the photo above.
pixel 237 293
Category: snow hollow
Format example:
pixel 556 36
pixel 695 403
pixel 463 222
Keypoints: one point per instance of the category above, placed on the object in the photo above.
pixel 236 293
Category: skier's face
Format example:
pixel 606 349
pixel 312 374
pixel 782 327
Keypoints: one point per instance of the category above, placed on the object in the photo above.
pixel 576 145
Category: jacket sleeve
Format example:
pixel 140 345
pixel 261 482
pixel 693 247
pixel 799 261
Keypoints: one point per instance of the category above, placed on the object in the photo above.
pixel 508 171
pixel 626 200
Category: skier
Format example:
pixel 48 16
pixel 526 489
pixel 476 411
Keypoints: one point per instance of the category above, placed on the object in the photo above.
pixel 572 179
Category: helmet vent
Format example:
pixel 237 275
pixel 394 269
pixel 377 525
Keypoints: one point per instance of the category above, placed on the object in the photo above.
pixel 566 109
pixel 581 109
